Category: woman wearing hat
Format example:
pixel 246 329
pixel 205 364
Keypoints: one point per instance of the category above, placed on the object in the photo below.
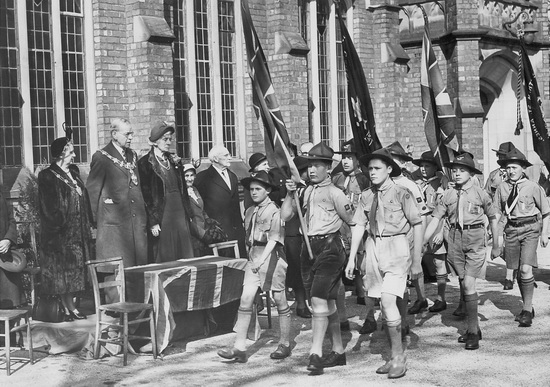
pixel 65 239
pixel 166 199
pixel 522 201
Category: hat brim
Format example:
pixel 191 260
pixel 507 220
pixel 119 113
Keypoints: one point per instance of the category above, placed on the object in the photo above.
pixel 404 157
pixel 346 152
pixel 523 163
pixel 458 164
pixel 318 158
pixel 166 130
pixel 417 162
pixel 255 165
pixel 396 169
pixel 248 180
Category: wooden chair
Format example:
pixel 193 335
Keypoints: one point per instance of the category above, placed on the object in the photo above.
pixel 9 315
pixel 225 245
pixel 123 308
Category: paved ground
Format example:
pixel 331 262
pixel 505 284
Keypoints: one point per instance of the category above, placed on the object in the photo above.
pixel 509 355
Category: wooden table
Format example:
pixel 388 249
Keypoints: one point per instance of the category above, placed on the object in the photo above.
pixel 186 285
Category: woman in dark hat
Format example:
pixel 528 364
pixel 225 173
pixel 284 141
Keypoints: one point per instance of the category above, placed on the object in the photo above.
pixel 166 199
pixel 65 214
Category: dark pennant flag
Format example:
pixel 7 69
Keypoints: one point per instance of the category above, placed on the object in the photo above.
pixel 359 104
pixel 265 101
pixel 539 131
pixel 437 110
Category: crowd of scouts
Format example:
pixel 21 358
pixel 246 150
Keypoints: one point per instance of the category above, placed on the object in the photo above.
pixel 373 222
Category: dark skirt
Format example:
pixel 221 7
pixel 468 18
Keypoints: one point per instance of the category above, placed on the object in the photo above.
pixel 175 238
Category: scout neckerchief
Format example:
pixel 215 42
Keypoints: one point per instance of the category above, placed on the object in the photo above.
pixel 71 184
pixel 513 197
pixel 349 178
pixel 124 164
pixel 426 183
pixel 324 183
pixel 255 214
pixel 378 221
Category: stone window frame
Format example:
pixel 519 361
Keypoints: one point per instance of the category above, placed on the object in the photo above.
pixel 29 160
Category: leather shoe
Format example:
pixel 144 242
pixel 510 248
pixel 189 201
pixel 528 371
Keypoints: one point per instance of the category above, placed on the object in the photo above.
pixel 472 341
pixel 303 312
pixel 315 366
pixel 369 326
pixel 525 319
pixel 438 306
pixel 384 369
pixel 521 313
pixel 68 318
pixel 418 307
pixel 398 367
pixel 508 285
pixel 75 314
pixel 233 354
pixel 344 326
pixel 334 359
pixel 463 338
pixel 360 300
pixel 282 352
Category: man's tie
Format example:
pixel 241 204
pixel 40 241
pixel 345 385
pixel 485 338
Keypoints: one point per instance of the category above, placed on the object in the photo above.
pixel 252 225
pixel 377 214
pixel 460 208
pixel 225 176
pixel 512 199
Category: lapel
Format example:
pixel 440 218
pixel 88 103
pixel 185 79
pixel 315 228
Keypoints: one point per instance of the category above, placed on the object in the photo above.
pixel 218 180
pixel 111 150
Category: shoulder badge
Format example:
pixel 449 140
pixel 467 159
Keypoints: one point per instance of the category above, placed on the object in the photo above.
pixel 407 196
pixel 419 200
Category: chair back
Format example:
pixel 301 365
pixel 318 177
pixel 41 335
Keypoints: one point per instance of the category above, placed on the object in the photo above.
pixel 108 266
pixel 233 244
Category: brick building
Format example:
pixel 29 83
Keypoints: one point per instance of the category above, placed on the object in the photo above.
pixel 85 62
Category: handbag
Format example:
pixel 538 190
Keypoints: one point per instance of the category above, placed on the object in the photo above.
pixel 214 233
pixel 48 309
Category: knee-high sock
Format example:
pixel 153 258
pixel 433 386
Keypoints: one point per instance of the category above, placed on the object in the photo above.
pixel 419 287
pixel 471 309
pixel 241 327
pixel 369 305
pixel 402 306
pixel 341 303
pixel 335 333
pixel 319 324
pixel 394 333
pixel 527 286
pixel 284 325
pixel 441 285
pixel 461 286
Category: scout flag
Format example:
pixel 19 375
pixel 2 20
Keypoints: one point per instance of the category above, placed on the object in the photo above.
pixel 265 101
pixel 437 110
pixel 539 131
pixel 359 103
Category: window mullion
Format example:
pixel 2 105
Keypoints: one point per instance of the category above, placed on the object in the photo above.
pixel 57 68
pixel 240 115
pixel 314 60
pixel 26 121
pixel 215 75
pixel 89 60
pixel 333 83
pixel 192 76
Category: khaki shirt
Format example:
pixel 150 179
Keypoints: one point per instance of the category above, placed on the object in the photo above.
pixel 531 199
pixel 494 180
pixel 400 208
pixel 432 189
pixel 413 188
pixel 326 208
pixel 475 202
pixel 268 225
pixel 352 184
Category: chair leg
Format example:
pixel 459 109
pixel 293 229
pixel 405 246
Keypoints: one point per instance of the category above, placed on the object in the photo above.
pixel 29 338
pixel 7 335
pixel 97 333
pixel 125 338
pixel 152 327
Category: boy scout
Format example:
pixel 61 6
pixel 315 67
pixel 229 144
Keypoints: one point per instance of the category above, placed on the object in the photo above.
pixel 521 200
pixel 326 209
pixel 466 206
pixel 432 186
pixel 266 268
pixel 391 212
pixel 353 181
pixel 404 179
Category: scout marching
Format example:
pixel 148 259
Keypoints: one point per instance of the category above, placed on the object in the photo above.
pixel 373 222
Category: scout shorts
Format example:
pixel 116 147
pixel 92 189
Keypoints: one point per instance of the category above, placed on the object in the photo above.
pixel 520 245
pixel 271 276
pixel 466 254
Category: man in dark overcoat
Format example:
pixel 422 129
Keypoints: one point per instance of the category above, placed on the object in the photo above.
pixel 219 189
pixel 117 203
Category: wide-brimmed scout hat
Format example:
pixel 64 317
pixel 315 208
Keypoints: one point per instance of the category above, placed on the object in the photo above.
pixel 320 152
pixel 14 260
pixel 514 156
pixel 256 159
pixel 464 160
pixel 397 150
pixel 159 129
pixel 426 157
pixel 347 148
pixel 261 177
pixel 301 163
pixel 504 148
pixel 384 155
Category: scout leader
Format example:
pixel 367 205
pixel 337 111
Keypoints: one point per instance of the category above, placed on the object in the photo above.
pixel 466 206
pixel 266 267
pixel 391 213
pixel 521 200
pixel 432 184
pixel 326 209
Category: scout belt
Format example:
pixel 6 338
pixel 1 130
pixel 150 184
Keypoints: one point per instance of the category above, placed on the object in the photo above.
pixel 468 226
pixel 523 221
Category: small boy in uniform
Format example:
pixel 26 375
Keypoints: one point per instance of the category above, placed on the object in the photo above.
pixel 266 267
pixel 466 205
pixel 391 213
pixel 521 201
pixel 326 209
